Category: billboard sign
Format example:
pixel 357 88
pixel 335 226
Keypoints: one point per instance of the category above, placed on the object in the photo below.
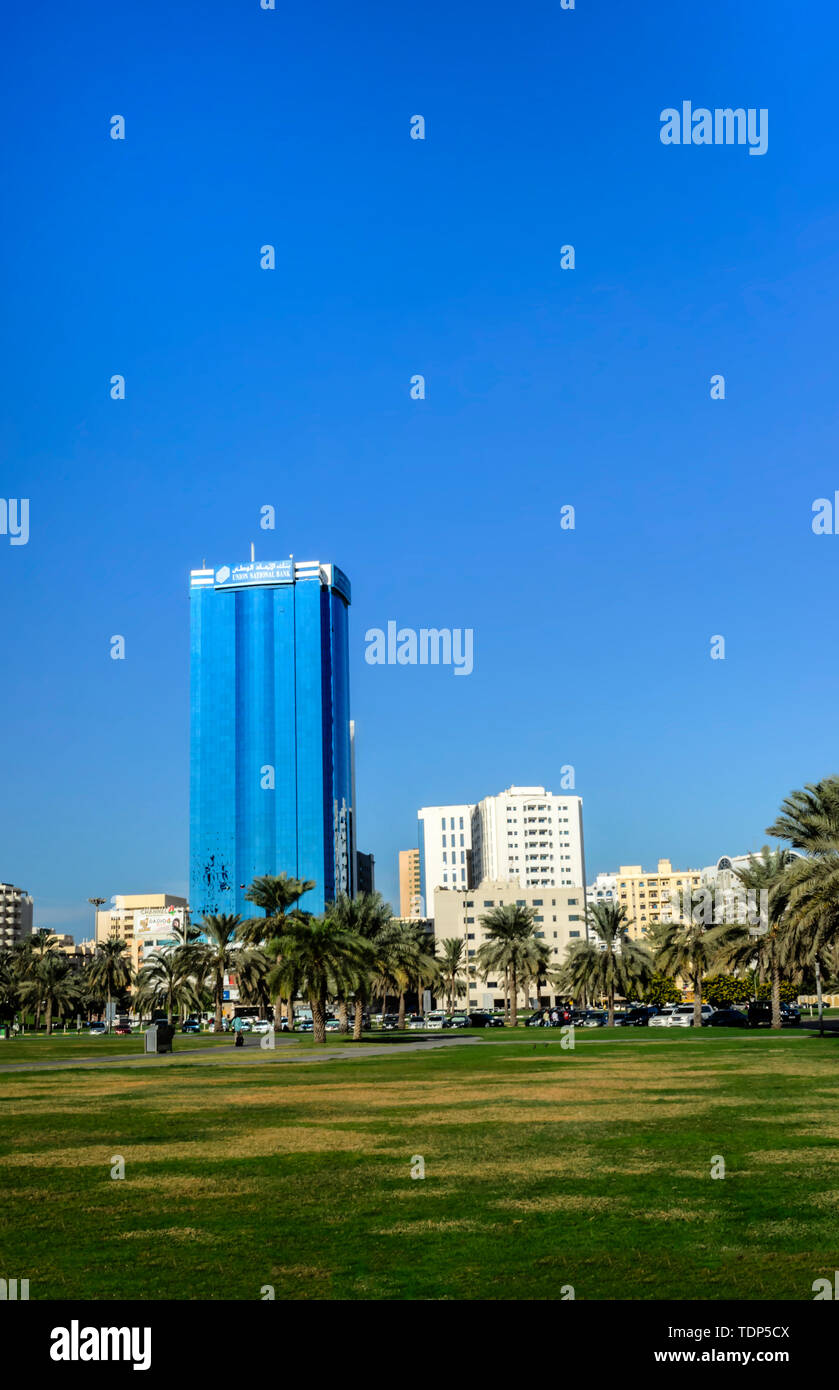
pixel 158 923
pixel 258 572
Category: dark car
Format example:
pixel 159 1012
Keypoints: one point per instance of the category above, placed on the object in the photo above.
pixel 726 1018
pixel 761 1014
pixel 390 1021
pixel 191 1025
pixel 485 1020
pixel 122 1030
pixel 636 1018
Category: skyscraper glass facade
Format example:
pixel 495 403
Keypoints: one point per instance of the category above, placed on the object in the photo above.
pixel 270 756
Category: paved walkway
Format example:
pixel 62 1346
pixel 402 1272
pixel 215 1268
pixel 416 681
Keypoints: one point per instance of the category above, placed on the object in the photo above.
pixel 287 1051
pixel 251 1053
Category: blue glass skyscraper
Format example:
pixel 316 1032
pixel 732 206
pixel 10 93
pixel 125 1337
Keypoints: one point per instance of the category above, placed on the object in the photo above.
pixel 271 782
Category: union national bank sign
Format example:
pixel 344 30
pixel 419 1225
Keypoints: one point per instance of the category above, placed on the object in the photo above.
pixel 258 572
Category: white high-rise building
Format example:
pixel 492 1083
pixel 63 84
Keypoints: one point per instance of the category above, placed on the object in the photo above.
pixel 445 849
pixel 15 914
pixel 530 835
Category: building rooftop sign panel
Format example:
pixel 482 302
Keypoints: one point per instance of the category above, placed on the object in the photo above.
pixel 258 572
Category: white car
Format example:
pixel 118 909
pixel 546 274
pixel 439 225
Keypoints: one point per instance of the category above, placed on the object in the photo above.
pixel 415 1025
pixel 682 1016
pixel 662 1020
pixel 435 1019
pixel 261 1025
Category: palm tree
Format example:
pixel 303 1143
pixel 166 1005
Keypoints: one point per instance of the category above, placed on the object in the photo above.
pixel 164 979
pixel 452 961
pixel 686 947
pixel 809 820
pixel 109 970
pixel 219 955
pixel 510 948
pixel 276 894
pixel 414 965
pixel 322 960
pixel 617 965
pixel 53 984
pixel 9 985
pixel 772 948
pixel 252 970
pixel 367 916
pixel 538 970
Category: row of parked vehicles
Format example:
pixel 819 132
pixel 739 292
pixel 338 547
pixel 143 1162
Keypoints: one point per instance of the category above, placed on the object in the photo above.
pixel 666 1016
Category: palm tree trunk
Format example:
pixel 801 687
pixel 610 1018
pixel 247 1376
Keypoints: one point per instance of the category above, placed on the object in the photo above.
pixel 697 1001
pixel 401 1023
pixel 357 1021
pixel 611 1019
pixel 48 1018
pixel 514 998
pixel 776 995
pixel 343 1016
pixel 290 1013
pixel 318 1019
pixel 218 1002
pixel 819 996
pixel 109 1006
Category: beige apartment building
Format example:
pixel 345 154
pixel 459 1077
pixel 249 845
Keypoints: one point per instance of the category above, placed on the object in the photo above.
pixel 145 921
pixel 410 884
pixel 646 897
pixel 79 950
pixel 560 921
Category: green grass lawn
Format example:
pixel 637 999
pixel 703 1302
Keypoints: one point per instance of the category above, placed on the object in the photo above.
pixel 544 1167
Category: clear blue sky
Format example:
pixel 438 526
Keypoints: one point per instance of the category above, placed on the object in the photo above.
pixel 545 387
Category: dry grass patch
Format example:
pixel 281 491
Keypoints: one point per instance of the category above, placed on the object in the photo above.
pixel 260 1143
pixel 184 1235
pixel 562 1201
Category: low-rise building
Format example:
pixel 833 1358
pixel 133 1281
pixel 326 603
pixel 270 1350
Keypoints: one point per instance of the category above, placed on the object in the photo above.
pixel 560 921
pixel 145 921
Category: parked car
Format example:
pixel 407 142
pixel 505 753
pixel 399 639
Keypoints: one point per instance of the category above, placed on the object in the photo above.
pixel 416 1025
pixel 682 1016
pixel 390 1021
pixel 726 1018
pixel 123 1030
pixel 98 1030
pixel 191 1025
pixel 304 1026
pixel 482 1019
pixel 662 1019
pixel 593 1018
pixel 638 1017
pixel 261 1025
pixel 332 1025
pixel 435 1019
pixel 761 1014
pixel 457 1021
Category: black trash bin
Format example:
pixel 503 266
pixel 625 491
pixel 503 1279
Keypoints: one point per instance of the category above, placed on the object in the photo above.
pixel 159 1037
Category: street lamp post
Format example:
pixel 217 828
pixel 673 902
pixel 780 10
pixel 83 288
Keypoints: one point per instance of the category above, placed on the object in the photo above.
pixel 96 904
